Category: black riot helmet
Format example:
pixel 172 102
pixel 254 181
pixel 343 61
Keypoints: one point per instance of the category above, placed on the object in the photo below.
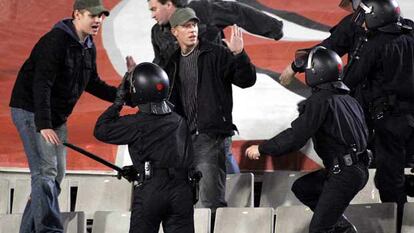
pixel 148 84
pixel 377 13
pixel 323 66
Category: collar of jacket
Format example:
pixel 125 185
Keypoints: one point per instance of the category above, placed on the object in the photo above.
pixel 203 45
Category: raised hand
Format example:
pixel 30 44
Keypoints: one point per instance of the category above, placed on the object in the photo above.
pixel 130 63
pixel 287 75
pixel 236 43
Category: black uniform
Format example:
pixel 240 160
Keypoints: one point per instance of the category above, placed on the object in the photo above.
pixel 164 140
pixel 335 122
pixel 386 73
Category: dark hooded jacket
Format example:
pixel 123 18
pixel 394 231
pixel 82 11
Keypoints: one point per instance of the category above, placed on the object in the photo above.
pixel 58 70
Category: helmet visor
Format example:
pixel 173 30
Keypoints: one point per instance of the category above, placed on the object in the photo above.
pixel 301 58
pixel 360 13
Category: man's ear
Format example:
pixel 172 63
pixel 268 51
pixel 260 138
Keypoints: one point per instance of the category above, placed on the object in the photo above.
pixel 174 32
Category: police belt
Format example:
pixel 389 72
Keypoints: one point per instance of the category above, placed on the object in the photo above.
pixel 178 173
pixel 405 107
pixel 346 160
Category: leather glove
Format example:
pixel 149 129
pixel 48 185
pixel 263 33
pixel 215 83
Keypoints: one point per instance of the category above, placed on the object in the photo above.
pixel 129 173
pixel 121 92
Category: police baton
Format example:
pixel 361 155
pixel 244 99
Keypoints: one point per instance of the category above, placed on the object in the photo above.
pixel 94 157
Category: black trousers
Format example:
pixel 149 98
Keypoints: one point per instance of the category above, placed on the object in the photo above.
pixel 328 194
pixel 393 135
pixel 163 200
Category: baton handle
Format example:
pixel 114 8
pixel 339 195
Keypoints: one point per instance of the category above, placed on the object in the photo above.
pixel 92 156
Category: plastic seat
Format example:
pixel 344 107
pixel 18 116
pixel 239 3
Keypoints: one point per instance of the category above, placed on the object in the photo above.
pixel 21 194
pixel 408 218
pixel 276 188
pixel 73 222
pixel 111 222
pixel 22 191
pixel 202 221
pixel 4 196
pixel 10 223
pixel 105 193
pixel 375 217
pixel 369 194
pixel 293 219
pixel 244 220
pixel 240 190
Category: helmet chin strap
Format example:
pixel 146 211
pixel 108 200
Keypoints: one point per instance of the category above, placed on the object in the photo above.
pixel 158 108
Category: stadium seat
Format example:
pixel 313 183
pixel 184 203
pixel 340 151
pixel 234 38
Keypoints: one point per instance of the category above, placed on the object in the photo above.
pixel 20 195
pixel 276 188
pixel 375 217
pixel 4 196
pixel 102 193
pixel 293 219
pixel 111 222
pixel 10 223
pixel 244 220
pixel 73 222
pixel 369 194
pixel 22 192
pixel 240 190
pixel 202 221
pixel 408 218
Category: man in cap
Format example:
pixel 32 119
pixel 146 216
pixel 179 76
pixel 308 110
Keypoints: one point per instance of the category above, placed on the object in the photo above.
pixel 60 67
pixel 201 75
pixel 214 17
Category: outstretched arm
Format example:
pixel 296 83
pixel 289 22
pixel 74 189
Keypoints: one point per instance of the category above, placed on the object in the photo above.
pixel 226 13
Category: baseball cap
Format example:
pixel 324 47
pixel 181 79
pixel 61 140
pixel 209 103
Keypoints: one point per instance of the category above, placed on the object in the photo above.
pixel 182 16
pixel 94 6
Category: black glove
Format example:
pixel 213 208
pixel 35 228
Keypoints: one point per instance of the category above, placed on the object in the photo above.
pixel 129 173
pixel 121 92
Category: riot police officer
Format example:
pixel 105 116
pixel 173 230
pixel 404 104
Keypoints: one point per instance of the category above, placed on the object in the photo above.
pixel 161 151
pixel 335 122
pixel 386 74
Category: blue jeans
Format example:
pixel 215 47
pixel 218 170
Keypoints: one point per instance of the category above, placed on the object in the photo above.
pixel 231 164
pixel 47 165
pixel 210 159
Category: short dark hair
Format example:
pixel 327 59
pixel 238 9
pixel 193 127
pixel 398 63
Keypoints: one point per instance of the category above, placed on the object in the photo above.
pixel 176 3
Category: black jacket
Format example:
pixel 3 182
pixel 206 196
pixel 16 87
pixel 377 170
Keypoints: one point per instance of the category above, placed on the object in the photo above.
pixel 344 37
pixel 162 139
pixel 52 79
pixel 218 69
pixel 214 17
pixel 333 120
pixel 386 67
